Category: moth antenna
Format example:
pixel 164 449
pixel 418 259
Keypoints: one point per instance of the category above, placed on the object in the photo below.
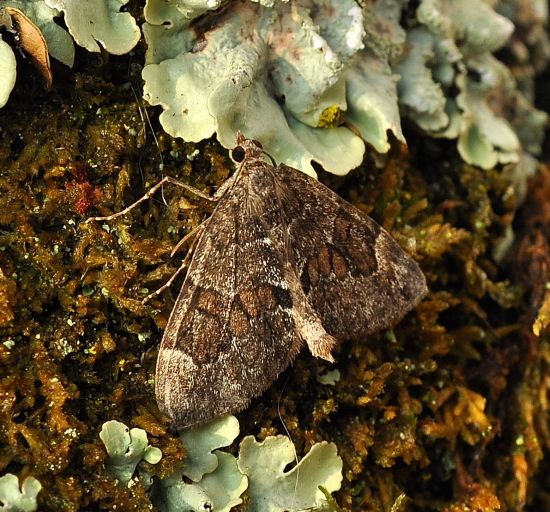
pixel 193 232
pixel 146 121
pixel 293 445
pixel 271 158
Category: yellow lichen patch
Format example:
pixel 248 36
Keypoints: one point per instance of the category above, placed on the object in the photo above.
pixel 330 117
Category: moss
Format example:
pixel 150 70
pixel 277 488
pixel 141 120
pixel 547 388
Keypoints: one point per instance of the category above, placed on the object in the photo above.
pixel 450 409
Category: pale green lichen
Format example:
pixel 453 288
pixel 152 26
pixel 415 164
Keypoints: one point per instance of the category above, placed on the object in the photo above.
pixel 201 441
pixel 486 138
pixel 420 96
pixel 8 67
pixel 126 449
pixel 272 489
pixel 288 64
pixel 453 87
pixel 327 75
pixel 372 101
pixel 329 378
pixel 88 22
pixel 219 490
pixel 219 480
pixel 100 21
pixel 310 66
pixel 13 499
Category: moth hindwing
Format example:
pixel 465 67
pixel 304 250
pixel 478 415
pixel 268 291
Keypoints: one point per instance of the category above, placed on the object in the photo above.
pixel 282 262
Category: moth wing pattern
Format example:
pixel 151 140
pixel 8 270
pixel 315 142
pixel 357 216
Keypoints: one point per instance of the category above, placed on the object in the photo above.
pixel 283 262
pixel 231 331
pixel 353 273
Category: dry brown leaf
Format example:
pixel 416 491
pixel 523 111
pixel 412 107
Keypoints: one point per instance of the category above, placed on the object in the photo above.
pixel 33 43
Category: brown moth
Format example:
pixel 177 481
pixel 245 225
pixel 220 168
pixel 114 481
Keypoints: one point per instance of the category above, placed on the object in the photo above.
pixel 282 262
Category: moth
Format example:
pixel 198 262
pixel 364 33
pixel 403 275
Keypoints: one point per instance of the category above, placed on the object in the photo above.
pixel 281 263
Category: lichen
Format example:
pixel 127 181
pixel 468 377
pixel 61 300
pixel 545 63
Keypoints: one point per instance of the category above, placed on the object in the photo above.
pixel 126 449
pixel 201 441
pixel 450 81
pixel 99 21
pixel 285 62
pixel 88 23
pixel 8 67
pixel 323 72
pixel 206 476
pixel 218 479
pixel 339 67
pixel 448 410
pixel 272 489
pixel 13 499
pixel 218 490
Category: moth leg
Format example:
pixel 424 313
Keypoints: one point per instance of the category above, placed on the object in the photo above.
pixel 189 235
pixel 183 265
pixel 149 194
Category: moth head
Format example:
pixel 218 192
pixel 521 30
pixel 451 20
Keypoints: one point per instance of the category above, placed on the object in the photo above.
pixel 246 148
